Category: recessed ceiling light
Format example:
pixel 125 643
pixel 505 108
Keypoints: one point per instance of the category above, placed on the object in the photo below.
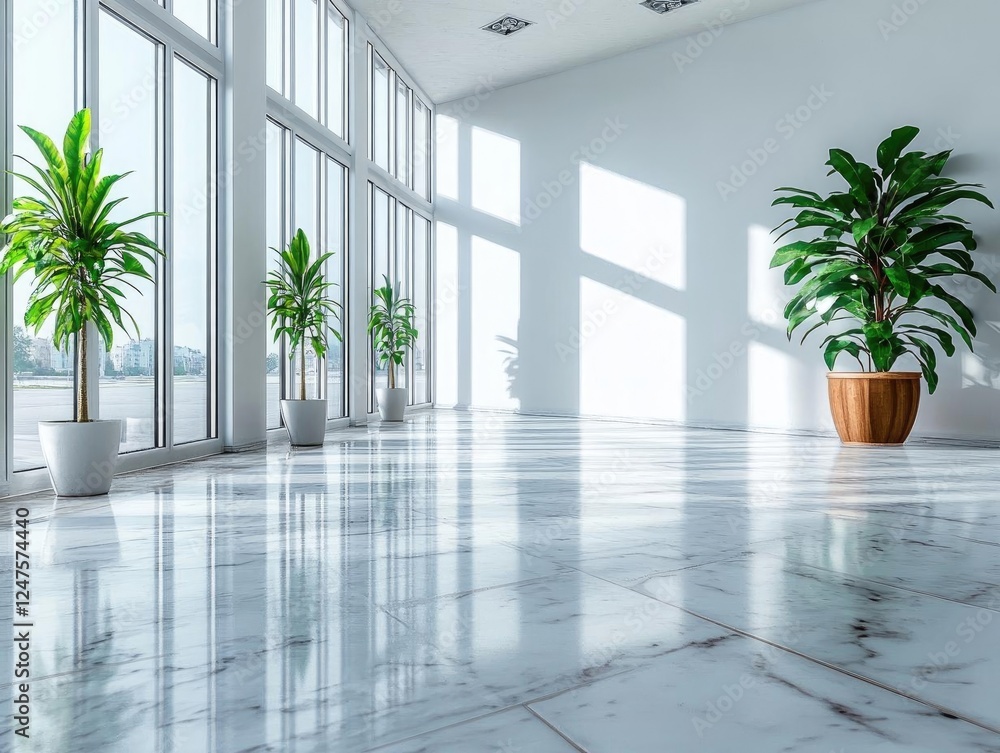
pixel 507 25
pixel 665 6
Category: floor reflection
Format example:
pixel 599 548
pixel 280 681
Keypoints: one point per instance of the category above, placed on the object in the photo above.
pixel 410 582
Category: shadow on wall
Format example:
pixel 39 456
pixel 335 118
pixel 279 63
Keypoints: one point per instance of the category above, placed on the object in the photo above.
pixel 577 293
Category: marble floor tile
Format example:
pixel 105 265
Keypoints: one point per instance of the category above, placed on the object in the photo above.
pixel 420 587
pixel 743 696
pixel 940 651
pixel 514 731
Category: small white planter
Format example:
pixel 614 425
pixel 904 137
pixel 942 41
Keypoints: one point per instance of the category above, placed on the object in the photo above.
pixel 81 458
pixel 391 403
pixel 305 421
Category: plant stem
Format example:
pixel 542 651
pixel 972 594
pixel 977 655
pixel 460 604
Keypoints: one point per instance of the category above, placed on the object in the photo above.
pixel 392 373
pixel 302 372
pixel 82 397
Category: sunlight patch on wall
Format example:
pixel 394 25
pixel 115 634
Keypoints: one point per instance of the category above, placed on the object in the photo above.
pixel 446 149
pixel 981 369
pixel 446 314
pixel 632 356
pixel 496 311
pixel 767 293
pixel 772 387
pixel 496 175
pixel 633 225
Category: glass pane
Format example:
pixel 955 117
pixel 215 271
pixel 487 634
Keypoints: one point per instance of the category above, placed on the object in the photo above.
pixel 401 271
pixel 306 51
pixel 421 302
pixel 43 376
pixel 336 79
pixel 335 236
pixel 380 263
pixel 305 203
pixel 129 65
pixel 380 112
pixel 402 132
pixel 198 15
pixel 421 148
pixel 276 45
pixel 193 251
pixel 275 240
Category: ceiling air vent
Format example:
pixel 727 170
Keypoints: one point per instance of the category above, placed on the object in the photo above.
pixel 507 25
pixel 665 6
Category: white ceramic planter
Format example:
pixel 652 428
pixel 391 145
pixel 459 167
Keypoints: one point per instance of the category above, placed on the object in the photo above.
pixel 81 458
pixel 305 421
pixel 391 403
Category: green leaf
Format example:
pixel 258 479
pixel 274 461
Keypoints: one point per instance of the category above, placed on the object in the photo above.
pixel 837 346
pixel 75 146
pixel 861 228
pixel 890 149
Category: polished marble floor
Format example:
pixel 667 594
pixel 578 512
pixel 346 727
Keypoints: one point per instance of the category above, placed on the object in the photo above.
pixel 476 583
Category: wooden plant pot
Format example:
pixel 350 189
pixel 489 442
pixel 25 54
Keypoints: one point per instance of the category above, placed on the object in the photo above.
pixel 874 409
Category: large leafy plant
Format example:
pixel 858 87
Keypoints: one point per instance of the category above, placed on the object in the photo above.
pixel 300 304
pixel 82 259
pixel 390 323
pixel 886 245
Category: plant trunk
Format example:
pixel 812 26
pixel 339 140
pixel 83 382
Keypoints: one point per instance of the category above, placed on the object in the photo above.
pixel 392 374
pixel 82 396
pixel 302 372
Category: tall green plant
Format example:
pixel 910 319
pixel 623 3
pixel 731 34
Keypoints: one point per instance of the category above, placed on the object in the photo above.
pixel 390 323
pixel 885 247
pixel 300 304
pixel 82 260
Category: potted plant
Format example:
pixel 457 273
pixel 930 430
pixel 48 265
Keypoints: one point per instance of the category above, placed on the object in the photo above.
pixel 82 260
pixel 390 323
pixel 885 246
pixel 301 308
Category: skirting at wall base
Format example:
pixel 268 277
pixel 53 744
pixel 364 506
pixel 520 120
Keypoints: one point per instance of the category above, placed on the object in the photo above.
pixel 922 439
pixel 251 447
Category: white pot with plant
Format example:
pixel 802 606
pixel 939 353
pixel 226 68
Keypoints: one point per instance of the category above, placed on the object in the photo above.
pixel 302 310
pixel 82 261
pixel 390 323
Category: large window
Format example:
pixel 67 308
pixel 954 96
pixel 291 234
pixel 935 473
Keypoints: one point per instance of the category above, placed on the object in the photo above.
pixel 421 149
pixel 195 225
pixel 155 117
pixel 336 242
pixel 306 190
pixel 307 58
pixel 131 72
pixel 153 72
pixel 277 149
pixel 43 377
pixel 399 250
pixel 381 105
pixel 399 238
pixel 200 15
pixel 399 127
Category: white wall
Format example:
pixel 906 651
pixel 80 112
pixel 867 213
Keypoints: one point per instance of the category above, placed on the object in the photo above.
pixel 642 249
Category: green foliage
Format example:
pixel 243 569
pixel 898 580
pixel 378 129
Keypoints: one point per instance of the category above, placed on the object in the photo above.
pixel 299 302
pixel 884 247
pixel 390 323
pixel 81 259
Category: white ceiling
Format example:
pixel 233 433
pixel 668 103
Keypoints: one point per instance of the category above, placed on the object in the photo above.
pixel 441 44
